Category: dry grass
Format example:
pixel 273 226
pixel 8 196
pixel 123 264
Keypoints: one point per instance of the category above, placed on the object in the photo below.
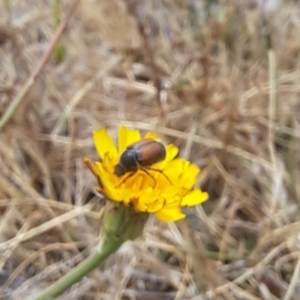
pixel 219 80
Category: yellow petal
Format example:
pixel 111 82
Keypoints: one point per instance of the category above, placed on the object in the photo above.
pixel 107 183
pixel 169 194
pixel 170 214
pixel 152 136
pixel 189 176
pixel 194 197
pixel 127 137
pixel 91 166
pixel 171 152
pixel 174 170
pixel 155 206
pixel 126 196
pixel 104 143
pixel 109 194
pixel 147 198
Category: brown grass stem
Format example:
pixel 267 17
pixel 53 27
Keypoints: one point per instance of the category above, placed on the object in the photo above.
pixel 16 102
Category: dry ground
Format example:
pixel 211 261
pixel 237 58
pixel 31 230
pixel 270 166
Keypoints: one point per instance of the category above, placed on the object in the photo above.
pixel 220 79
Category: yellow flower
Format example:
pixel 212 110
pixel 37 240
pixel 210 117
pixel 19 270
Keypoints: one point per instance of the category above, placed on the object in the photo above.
pixel 148 190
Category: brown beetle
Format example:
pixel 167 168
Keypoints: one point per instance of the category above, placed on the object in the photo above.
pixel 141 155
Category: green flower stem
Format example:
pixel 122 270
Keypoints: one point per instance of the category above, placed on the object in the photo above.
pixel 110 246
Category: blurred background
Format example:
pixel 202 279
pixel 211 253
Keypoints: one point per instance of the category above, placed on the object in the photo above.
pixel 219 79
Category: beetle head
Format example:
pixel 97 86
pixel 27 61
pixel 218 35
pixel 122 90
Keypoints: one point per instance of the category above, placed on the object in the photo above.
pixel 119 170
pixel 128 163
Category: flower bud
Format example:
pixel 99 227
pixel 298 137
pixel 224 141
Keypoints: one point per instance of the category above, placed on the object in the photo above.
pixel 122 222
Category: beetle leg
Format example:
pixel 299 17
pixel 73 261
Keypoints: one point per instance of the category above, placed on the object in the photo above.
pixel 126 178
pixel 161 172
pixel 145 170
